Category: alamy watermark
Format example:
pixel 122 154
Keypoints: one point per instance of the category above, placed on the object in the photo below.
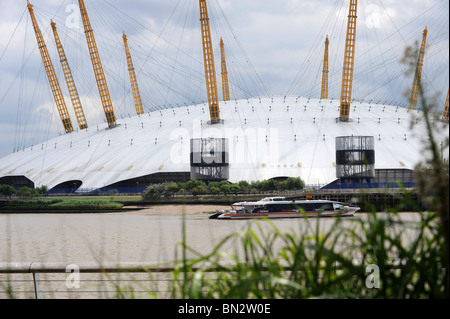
pixel 73 281
pixel 372 271
pixel 373 278
pixel 73 20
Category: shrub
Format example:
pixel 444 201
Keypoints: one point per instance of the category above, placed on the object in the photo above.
pixel 86 204
pixel 155 191
pixel 64 203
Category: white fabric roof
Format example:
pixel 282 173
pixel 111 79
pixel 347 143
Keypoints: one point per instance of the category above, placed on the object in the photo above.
pixel 268 137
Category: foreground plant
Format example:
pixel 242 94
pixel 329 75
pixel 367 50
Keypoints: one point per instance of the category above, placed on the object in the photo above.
pixel 376 256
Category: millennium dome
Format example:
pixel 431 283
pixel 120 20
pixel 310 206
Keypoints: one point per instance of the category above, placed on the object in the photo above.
pixel 327 142
pixel 266 138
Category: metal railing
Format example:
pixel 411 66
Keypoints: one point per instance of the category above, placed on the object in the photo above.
pixel 77 281
pixel 60 280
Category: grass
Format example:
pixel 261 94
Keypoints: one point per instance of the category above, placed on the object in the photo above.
pixel 270 264
pixel 63 204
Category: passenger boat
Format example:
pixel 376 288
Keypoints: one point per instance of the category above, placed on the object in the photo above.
pixel 279 207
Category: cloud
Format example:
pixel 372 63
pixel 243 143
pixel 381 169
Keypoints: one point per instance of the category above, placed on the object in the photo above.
pixel 278 39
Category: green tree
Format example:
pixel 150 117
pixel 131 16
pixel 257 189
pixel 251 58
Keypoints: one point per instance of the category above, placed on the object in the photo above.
pixel 224 183
pixel 195 184
pixel 225 188
pixel 173 188
pixel 26 192
pixel 7 190
pixel 282 185
pixel 244 186
pixel 293 183
pixel 213 185
pixel 268 185
pixel 43 189
pixel 181 186
pixel 234 189
pixel 256 186
pixel 198 191
pixel 112 192
pixel 214 190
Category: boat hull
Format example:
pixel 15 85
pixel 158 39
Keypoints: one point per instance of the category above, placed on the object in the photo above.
pixel 282 215
pixel 279 207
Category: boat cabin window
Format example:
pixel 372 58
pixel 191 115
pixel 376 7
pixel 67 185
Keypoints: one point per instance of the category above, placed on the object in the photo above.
pixel 314 207
pixel 292 207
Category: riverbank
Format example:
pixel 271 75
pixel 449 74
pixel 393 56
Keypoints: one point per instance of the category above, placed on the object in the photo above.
pixel 148 209
pixel 368 200
pixel 59 205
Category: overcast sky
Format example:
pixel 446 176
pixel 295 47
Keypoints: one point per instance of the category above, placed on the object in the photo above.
pixel 274 47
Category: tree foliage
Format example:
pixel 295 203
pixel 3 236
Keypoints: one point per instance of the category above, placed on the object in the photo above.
pixel 196 187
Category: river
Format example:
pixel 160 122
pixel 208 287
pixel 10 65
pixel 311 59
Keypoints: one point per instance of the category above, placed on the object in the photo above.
pixel 144 236
pixel 150 237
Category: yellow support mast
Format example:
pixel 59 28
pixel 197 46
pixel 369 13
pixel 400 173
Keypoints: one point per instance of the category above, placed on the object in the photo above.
pixel 324 92
pixel 446 110
pixel 98 67
pixel 69 81
pixel 225 85
pixel 349 62
pixel 210 70
pixel 133 79
pixel 418 75
pixel 49 69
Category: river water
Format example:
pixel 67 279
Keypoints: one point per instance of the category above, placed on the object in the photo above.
pixel 124 237
pixel 136 237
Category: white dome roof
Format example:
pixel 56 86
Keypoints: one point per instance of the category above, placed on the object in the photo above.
pixel 268 137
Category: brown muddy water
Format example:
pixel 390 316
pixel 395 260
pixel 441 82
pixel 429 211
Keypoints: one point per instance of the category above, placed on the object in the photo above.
pixel 150 236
